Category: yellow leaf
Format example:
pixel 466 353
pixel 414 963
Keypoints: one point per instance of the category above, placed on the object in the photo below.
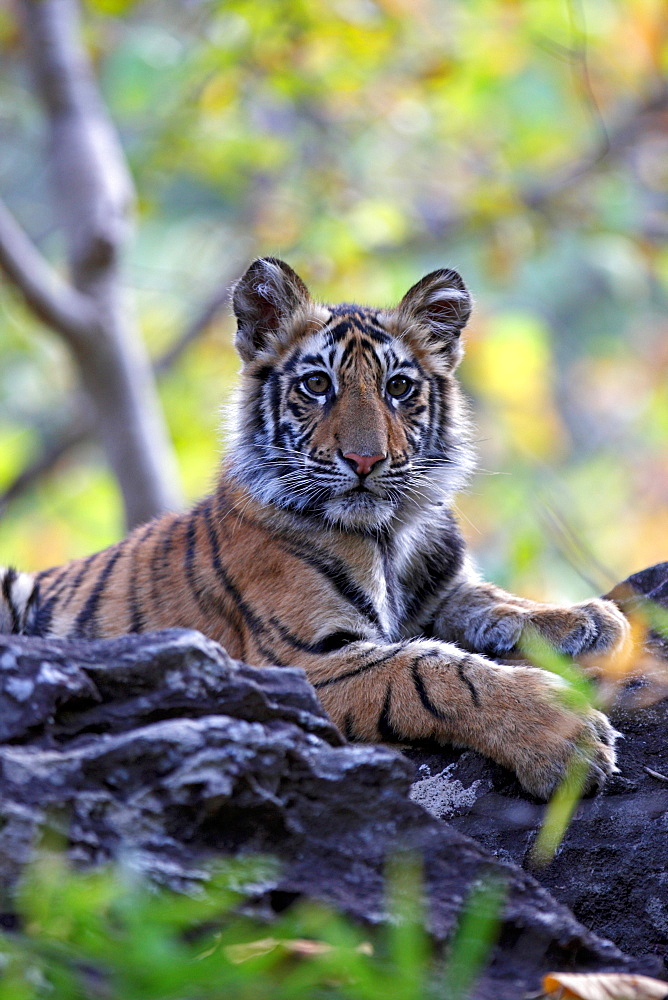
pixel 603 986
pixel 238 953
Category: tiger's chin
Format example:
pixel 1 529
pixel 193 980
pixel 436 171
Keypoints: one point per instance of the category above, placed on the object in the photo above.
pixel 359 509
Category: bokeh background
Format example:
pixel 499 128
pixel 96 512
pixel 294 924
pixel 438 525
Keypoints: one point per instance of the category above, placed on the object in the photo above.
pixel 524 142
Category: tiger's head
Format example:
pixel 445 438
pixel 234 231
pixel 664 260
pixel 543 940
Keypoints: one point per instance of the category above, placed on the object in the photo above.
pixel 347 413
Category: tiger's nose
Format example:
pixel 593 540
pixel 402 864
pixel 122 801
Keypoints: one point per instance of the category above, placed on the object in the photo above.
pixel 362 464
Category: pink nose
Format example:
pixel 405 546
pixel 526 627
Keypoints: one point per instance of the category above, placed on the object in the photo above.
pixel 363 464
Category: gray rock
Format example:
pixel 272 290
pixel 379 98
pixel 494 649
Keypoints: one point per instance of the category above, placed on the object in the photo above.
pixel 163 752
pixel 611 867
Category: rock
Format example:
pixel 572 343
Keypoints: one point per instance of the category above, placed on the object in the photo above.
pixel 610 869
pixel 161 750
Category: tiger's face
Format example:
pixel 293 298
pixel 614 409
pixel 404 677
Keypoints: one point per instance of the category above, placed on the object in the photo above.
pixel 349 414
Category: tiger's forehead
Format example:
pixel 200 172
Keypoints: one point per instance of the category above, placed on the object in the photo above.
pixel 350 338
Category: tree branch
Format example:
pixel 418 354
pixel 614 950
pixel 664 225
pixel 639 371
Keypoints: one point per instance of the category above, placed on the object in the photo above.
pixel 76 433
pixel 94 196
pixel 642 118
pixel 645 116
pixel 53 300
pixel 195 328
pixel 81 426
pixel 94 188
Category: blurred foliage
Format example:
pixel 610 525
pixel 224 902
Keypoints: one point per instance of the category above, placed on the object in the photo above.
pixel 109 934
pixel 367 142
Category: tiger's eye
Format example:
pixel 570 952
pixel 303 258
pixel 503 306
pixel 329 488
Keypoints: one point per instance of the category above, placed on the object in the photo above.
pixel 318 384
pixel 398 386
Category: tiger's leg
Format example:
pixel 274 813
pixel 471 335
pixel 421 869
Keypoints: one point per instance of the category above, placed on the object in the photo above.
pixel 433 690
pixel 18 601
pixel 483 617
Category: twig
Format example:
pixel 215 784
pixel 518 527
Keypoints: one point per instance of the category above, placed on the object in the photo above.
pixel 656 774
pixel 195 328
pixel 52 451
pixel 634 124
pixel 538 195
pixel 55 301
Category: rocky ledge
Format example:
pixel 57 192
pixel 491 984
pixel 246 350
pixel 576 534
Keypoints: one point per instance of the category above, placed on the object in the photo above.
pixel 162 750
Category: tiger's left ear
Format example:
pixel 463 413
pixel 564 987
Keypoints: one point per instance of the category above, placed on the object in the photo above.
pixel 263 300
pixel 441 302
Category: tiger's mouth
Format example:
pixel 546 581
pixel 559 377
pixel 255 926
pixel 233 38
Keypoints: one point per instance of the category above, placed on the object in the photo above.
pixel 362 496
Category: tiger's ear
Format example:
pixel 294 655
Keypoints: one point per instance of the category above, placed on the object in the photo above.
pixel 267 294
pixel 441 302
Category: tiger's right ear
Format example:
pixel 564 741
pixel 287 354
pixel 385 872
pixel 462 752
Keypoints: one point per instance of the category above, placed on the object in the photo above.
pixel 267 294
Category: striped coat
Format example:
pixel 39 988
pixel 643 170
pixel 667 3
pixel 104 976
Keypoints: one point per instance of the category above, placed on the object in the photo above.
pixel 330 543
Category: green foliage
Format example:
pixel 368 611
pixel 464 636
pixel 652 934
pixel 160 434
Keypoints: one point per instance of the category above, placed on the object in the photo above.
pixel 107 933
pixel 475 936
pixel 368 141
pixel 579 694
pixel 560 811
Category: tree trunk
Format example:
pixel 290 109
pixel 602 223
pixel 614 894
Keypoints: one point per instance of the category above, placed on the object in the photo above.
pixel 94 194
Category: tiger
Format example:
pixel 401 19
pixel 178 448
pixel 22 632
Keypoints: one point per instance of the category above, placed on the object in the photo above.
pixel 330 543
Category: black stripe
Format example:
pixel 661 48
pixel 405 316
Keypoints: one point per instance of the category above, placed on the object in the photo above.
pixel 209 603
pixel 362 669
pixel 312 359
pixel 159 557
pixel 423 695
pixel 384 542
pixel 59 581
pixel 249 616
pixel 7 581
pixel 335 572
pixel 274 388
pixel 253 622
pixel 368 348
pixel 434 429
pixel 348 350
pixel 66 580
pixel 31 611
pixel 263 373
pixel 189 563
pixel 439 419
pixel 461 667
pixel 349 727
pixel 329 644
pixel 388 733
pixel 340 331
pixel 85 624
pixel 137 620
pixel 337 640
pixel 377 335
pixel 439 565
pixel 297 408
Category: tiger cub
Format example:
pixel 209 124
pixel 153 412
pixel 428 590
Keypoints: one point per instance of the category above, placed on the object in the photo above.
pixel 330 542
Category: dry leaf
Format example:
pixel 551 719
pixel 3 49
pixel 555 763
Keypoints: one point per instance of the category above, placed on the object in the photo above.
pixel 238 953
pixel 603 986
pixel 301 947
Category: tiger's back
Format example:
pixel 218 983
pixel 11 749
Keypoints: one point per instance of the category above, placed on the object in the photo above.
pixel 329 542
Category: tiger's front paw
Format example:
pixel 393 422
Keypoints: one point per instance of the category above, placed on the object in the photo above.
pixel 579 630
pixel 595 626
pixel 557 742
pixel 587 756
